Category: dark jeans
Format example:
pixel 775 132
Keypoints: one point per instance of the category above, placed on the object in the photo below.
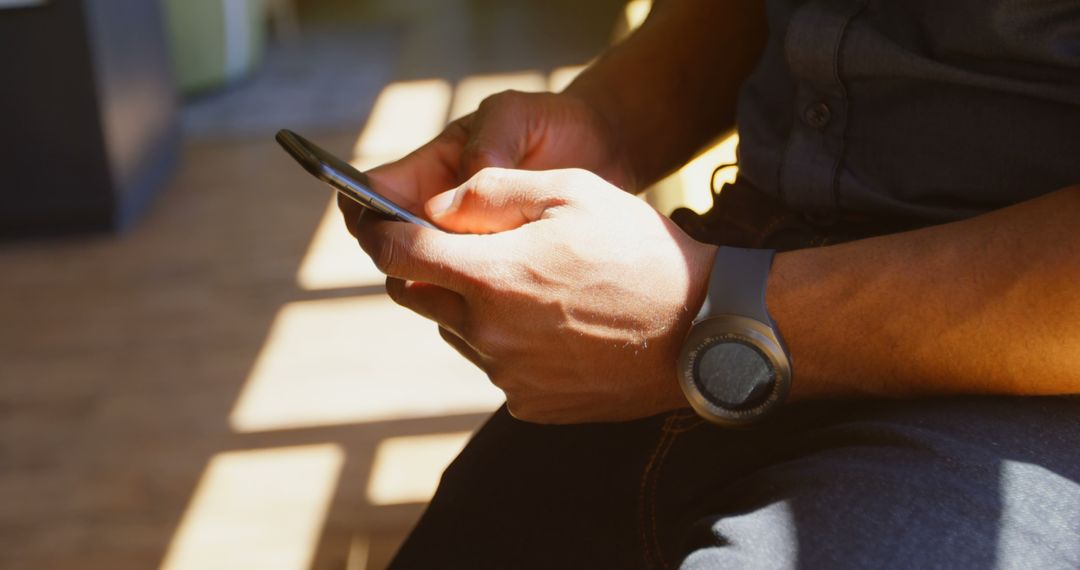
pixel 936 483
pixel 962 483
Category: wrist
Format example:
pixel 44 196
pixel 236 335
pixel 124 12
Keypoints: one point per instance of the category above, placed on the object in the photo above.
pixel 794 297
pixel 734 367
pixel 701 266
pixel 699 261
pixel 595 96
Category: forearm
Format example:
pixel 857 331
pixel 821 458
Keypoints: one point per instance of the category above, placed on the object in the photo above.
pixel 989 305
pixel 672 86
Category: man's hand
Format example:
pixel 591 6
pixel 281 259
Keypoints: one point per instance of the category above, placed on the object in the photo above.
pixel 572 295
pixel 532 131
pixel 577 302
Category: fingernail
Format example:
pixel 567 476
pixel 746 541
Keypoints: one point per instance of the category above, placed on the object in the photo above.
pixel 438 205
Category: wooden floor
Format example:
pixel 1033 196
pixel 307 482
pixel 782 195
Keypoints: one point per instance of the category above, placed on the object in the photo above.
pixel 226 385
pixel 124 362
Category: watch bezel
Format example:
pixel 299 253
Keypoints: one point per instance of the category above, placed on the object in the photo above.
pixel 707 332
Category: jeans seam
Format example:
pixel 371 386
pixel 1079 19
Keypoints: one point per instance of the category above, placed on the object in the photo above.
pixel 688 427
pixel 650 479
pixel 686 420
pixel 645 517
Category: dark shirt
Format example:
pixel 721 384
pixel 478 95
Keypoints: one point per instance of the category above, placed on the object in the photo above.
pixel 928 109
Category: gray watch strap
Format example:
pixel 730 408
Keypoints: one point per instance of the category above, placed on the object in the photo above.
pixel 737 284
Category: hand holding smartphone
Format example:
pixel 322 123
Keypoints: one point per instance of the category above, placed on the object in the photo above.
pixel 344 178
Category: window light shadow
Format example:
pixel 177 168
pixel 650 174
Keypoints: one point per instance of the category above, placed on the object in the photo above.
pixel 355 360
pixel 257 509
pixel 406 115
pixel 334 260
pixel 472 90
pixel 406 469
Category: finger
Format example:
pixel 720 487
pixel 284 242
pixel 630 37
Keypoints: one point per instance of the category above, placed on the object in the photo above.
pixel 409 251
pixel 421 174
pixel 496 200
pixel 426 171
pixel 462 347
pixel 499 137
pixel 432 302
pixel 350 212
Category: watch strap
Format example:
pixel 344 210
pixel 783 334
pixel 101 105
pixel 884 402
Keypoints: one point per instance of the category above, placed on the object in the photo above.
pixel 737 284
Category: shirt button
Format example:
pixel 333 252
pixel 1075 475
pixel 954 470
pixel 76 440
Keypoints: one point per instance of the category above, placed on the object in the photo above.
pixel 817 115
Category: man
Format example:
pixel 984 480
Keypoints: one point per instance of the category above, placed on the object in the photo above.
pixel 931 354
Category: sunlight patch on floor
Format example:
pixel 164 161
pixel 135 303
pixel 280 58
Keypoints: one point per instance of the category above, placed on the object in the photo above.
pixel 359 551
pixel 257 509
pixel 471 90
pixel 352 360
pixel 407 469
pixel 406 115
pixel 334 259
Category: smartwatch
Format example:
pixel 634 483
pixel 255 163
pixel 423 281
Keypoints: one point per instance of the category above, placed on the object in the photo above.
pixel 734 368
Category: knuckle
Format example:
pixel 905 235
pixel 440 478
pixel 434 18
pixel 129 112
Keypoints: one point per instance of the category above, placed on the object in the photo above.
pixel 446 335
pixel 486 340
pixel 489 177
pixel 385 256
pixel 508 98
pixel 456 137
pixel 469 195
pixel 366 237
pixel 580 174
pixel 501 286
pixel 345 205
pixel 456 332
pixel 457 130
pixel 518 409
pixel 350 213
pixel 479 151
pixel 395 289
pixel 500 376
pixel 478 341
pixel 462 347
pixel 577 177
pixel 526 410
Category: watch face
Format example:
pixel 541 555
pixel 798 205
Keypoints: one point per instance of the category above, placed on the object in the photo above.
pixel 733 373
pixel 734 369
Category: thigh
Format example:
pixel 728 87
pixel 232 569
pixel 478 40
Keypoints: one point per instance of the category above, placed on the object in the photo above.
pixel 959 483
pixel 523 495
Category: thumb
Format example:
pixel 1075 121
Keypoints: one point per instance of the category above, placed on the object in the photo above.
pixel 497 200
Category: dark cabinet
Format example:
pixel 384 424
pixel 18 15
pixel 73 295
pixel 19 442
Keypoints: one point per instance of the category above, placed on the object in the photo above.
pixel 88 115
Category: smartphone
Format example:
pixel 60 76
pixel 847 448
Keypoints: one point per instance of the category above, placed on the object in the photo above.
pixel 344 178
